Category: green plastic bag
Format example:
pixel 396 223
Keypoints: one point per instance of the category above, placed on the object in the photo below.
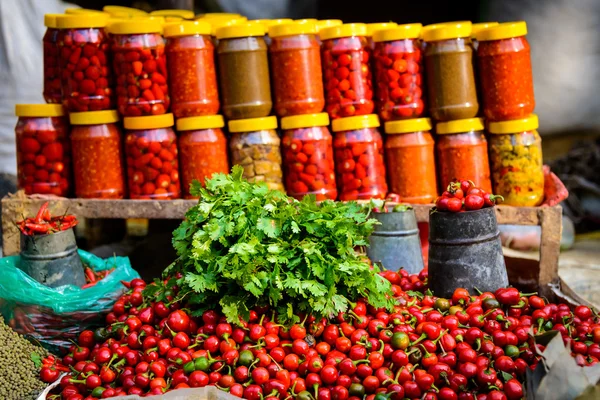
pixel 53 316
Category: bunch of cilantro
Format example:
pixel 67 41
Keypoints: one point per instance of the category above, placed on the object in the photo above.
pixel 244 245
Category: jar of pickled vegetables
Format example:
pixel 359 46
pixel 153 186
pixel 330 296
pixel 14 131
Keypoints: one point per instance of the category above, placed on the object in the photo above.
pixel 308 156
pixel 86 75
pixel 452 93
pixel 377 26
pixel 140 66
pixel 52 89
pixel 504 62
pixel 97 155
pixel 152 160
pixel 43 149
pixel 296 69
pixel 516 161
pixel 255 145
pixel 347 73
pixel 202 149
pixel 462 153
pixel 192 73
pixel 358 151
pixel 399 72
pixel 326 23
pixel 244 71
pixel 410 160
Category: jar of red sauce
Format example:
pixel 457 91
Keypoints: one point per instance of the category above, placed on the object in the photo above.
pixel 410 160
pixel 202 149
pixel 399 72
pixel 377 26
pixel 192 73
pixel 478 27
pixel 97 155
pixel 462 153
pixel 43 149
pixel 52 89
pixel 504 61
pixel 347 74
pixel 358 151
pixel 84 62
pixel 307 150
pixel 140 66
pixel 296 69
pixel 152 157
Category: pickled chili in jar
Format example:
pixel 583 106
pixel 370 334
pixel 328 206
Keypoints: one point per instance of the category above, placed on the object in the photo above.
pixel 410 160
pixel 462 153
pixel 152 157
pixel 326 23
pixel 43 149
pixel 399 72
pixel 140 67
pixel 377 26
pixel 307 151
pixel 84 62
pixel 97 155
pixel 52 88
pixel 506 78
pixel 345 56
pixel 358 152
pixel 516 161
pixel 191 69
pixel 255 145
pixel 202 149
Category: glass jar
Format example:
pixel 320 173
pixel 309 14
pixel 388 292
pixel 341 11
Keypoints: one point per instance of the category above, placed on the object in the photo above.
pixel 86 76
pixel 202 149
pixel 308 156
pixel 410 160
pixel 296 69
pixel 326 23
pixel 52 89
pixel 255 145
pixel 244 71
pixel 475 29
pixel 268 23
pixel 516 161
pixel 399 72
pixel 462 153
pixel 347 74
pixel 452 93
pixel 191 66
pixel 140 66
pixel 358 151
pixel 43 149
pixel 97 155
pixel 374 27
pixel 504 61
pixel 152 159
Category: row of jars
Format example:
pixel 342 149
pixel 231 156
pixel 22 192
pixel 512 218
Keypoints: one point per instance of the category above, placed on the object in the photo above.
pixel 158 164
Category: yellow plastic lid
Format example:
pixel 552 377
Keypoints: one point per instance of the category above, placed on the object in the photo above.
pixel 220 15
pixel 135 26
pixel 437 25
pixel 50 20
pixel 203 122
pixel 219 23
pixel 79 11
pixel 460 126
pixel 378 26
pixel 306 20
pixel 119 10
pixel 94 117
pixel 241 29
pixel 185 14
pixel 293 28
pixel 530 123
pixel 187 28
pixel 344 30
pixel 149 122
pixel 453 30
pixel 478 27
pixel 400 32
pixel 505 30
pixel 354 123
pixel 272 22
pixel 253 124
pixel 408 125
pixel 89 20
pixel 327 23
pixel 39 110
pixel 305 121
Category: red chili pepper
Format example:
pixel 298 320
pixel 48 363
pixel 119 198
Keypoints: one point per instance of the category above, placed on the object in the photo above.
pixel 126 284
pixel 509 296
pixel 40 214
pixel 90 274
pixel 37 228
pixel 89 285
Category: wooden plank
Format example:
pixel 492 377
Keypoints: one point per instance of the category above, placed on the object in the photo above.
pixel 551 223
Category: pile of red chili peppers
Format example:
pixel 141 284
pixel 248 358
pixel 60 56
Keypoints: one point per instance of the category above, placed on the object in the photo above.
pixel 44 223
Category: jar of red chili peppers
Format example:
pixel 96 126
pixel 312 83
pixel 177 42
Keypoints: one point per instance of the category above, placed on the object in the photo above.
pixel 462 153
pixel 152 160
pixel 308 156
pixel 97 155
pixel 504 62
pixel 86 76
pixel 43 149
pixel 52 89
pixel 296 69
pixel 140 67
pixel 347 74
pixel 358 151
pixel 399 72
pixel 410 160
pixel 377 26
pixel 192 73
pixel 202 149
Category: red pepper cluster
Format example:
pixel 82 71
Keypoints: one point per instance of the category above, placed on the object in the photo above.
pixel 52 88
pixel 93 277
pixel 44 223
pixel 465 196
